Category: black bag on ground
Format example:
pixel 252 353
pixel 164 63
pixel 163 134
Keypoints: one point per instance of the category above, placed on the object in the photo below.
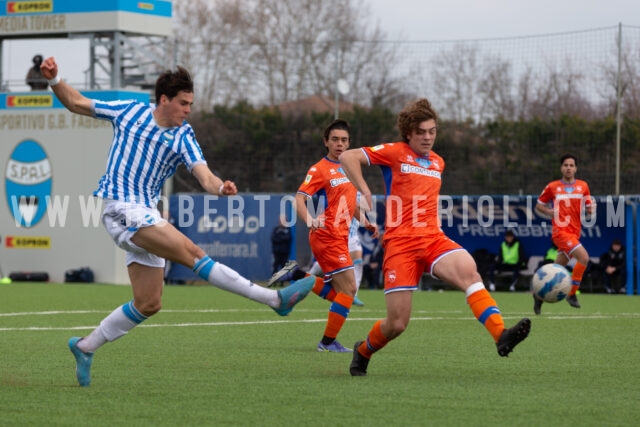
pixel 29 276
pixel 80 275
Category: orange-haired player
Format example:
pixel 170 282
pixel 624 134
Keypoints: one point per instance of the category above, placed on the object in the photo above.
pixel 413 240
pixel 563 200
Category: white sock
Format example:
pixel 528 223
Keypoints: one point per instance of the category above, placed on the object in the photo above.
pixel 315 269
pixel 93 341
pixel 357 269
pixel 475 287
pixel 223 277
pixel 118 323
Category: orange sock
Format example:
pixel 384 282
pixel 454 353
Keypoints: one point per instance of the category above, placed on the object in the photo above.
pixel 374 342
pixel 338 313
pixel 324 290
pixel 576 277
pixel 486 311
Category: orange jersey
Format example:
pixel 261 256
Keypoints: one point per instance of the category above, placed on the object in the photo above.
pixel 567 202
pixel 337 195
pixel 412 188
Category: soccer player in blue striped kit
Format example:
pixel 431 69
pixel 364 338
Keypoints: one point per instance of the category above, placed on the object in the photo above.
pixel 149 142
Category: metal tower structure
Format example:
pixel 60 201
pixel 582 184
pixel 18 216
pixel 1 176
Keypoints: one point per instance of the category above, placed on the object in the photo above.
pixel 128 39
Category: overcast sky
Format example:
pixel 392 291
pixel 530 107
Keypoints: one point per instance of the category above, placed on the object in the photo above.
pixel 473 19
pixel 401 20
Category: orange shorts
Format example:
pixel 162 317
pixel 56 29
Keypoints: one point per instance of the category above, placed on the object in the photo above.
pixel 566 242
pixel 331 252
pixel 406 259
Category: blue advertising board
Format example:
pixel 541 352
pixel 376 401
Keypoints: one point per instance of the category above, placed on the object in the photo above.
pixel 28 101
pixel 29 18
pixel 479 222
pixel 30 7
pixel 235 231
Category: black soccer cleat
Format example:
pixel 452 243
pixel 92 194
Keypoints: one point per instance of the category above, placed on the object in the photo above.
pixel 537 305
pixel 511 337
pixel 573 301
pixel 359 363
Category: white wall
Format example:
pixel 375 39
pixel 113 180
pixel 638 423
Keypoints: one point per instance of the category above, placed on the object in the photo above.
pixel 76 148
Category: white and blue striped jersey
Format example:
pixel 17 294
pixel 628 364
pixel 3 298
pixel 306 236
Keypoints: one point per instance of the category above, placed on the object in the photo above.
pixel 142 155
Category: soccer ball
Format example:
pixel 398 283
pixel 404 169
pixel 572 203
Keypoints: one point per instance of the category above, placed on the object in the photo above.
pixel 551 283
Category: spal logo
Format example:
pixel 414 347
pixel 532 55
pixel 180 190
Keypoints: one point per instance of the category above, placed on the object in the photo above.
pixel 28 183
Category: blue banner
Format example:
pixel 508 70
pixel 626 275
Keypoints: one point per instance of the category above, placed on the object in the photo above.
pixel 479 222
pixel 235 231
pixel 27 101
pixel 30 7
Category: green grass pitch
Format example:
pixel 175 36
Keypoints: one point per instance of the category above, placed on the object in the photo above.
pixel 213 358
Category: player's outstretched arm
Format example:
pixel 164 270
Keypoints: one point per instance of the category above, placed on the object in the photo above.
pixel 70 97
pixel 211 183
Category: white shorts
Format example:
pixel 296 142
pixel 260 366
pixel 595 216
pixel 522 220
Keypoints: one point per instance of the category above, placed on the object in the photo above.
pixel 122 220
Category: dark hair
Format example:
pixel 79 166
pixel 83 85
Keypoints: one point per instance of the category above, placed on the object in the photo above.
pixel 171 82
pixel 339 124
pixel 37 60
pixel 413 114
pixel 509 233
pixel 568 156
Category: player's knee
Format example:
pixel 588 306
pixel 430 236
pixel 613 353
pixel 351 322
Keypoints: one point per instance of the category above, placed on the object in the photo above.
pixel 150 307
pixel 472 275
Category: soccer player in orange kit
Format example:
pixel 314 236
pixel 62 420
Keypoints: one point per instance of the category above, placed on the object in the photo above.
pixel 329 232
pixel 414 243
pixel 562 200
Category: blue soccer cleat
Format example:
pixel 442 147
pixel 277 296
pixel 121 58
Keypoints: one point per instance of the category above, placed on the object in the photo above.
pixel 334 347
pixel 83 362
pixel 293 294
pixel 357 302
